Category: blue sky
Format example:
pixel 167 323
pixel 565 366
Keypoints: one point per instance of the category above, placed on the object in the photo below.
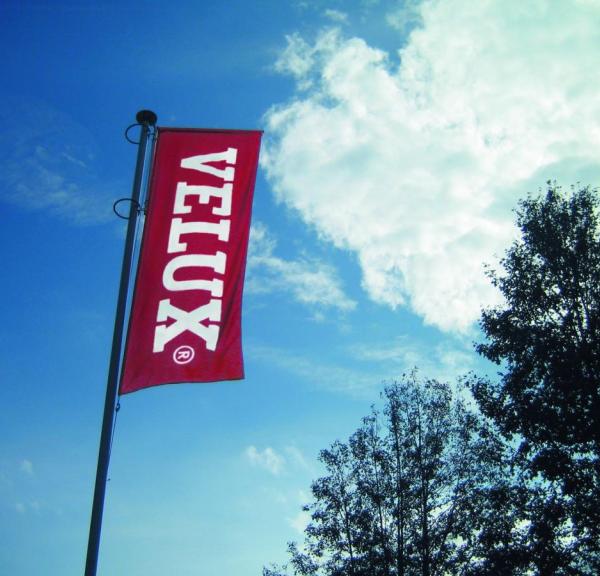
pixel 398 137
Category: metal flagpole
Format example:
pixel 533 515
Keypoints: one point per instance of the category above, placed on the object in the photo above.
pixel 146 119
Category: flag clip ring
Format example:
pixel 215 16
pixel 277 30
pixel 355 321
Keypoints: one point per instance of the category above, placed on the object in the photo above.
pixel 152 128
pixel 117 202
pixel 127 134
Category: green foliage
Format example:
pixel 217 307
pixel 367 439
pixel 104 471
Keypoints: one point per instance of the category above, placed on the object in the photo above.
pixel 546 338
pixel 405 494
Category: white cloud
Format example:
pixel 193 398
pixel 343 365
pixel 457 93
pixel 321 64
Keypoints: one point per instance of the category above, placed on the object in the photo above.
pixel 296 59
pixel 302 518
pixel 26 467
pixel 310 281
pixel 336 16
pixel 48 163
pixel 416 164
pixel 28 507
pixel 405 16
pixel 300 521
pixel 446 361
pixel 267 459
pixel 297 457
pixel 275 462
pixel 330 376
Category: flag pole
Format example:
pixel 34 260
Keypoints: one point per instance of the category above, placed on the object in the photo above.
pixel 146 119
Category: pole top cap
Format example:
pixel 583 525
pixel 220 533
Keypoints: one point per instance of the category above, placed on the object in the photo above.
pixel 146 117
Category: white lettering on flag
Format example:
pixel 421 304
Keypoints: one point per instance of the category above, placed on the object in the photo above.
pixel 191 321
pixel 204 194
pixel 179 227
pixel 199 163
pixel 216 262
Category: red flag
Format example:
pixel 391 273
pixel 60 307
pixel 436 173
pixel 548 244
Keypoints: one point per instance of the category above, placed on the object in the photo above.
pixel 185 323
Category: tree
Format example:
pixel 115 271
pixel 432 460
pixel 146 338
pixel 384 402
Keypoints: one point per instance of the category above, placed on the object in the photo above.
pixel 405 496
pixel 546 338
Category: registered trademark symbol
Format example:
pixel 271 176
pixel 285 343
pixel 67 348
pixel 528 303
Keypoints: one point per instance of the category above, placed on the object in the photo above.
pixel 183 354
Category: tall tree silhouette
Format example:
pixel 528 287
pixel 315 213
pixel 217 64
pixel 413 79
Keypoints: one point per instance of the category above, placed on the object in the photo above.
pixel 546 338
pixel 405 495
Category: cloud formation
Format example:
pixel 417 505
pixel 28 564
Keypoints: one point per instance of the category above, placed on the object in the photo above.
pixel 275 462
pixel 445 361
pixel 26 467
pixel 415 162
pixel 48 163
pixel 322 374
pixel 336 15
pixel 300 521
pixel 25 507
pixel 267 459
pixel 310 281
